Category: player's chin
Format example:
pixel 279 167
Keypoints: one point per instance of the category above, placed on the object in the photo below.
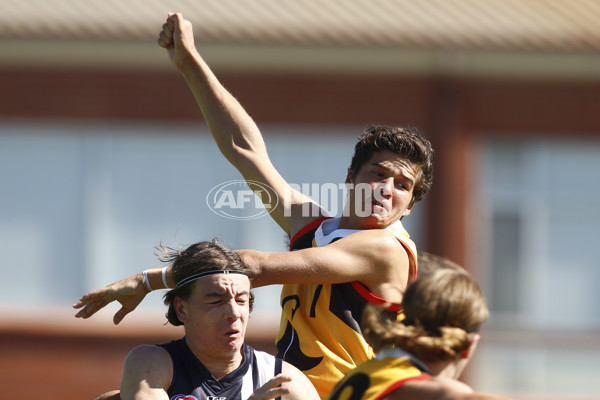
pixel 375 221
pixel 380 214
pixel 232 345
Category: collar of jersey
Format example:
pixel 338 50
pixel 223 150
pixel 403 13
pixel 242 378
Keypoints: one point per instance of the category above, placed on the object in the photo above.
pixel 329 230
pixel 395 352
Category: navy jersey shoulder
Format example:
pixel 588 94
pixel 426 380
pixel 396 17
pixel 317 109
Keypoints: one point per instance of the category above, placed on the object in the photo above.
pixel 192 378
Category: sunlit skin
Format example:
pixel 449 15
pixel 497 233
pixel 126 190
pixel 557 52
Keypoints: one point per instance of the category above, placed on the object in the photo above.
pixel 215 317
pixel 391 180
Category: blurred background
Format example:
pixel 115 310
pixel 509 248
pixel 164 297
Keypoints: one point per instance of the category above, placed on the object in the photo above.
pixel 104 155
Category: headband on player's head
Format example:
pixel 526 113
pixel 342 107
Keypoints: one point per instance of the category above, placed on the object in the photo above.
pixel 194 277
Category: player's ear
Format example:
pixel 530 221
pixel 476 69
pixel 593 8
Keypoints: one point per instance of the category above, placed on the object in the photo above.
pixel 180 306
pixel 349 176
pixel 408 209
pixel 469 351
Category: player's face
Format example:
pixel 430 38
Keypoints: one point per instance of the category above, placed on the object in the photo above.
pixel 390 182
pixel 216 314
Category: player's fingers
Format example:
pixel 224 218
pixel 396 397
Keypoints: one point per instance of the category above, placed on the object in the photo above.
pixel 87 298
pixel 89 305
pixel 279 379
pixel 98 294
pixel 79 304
pixel 273 393
pixel 277 392
pixel 275 382
pixel 282 377
pixel 173 21
pixel 90 309
pixel 168 29
pixel 165 41
pixel 119 315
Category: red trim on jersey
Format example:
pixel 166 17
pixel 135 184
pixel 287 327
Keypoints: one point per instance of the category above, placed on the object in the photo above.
pixel 372 297
pixel 308 227
pixel 412 261
pixel 396 385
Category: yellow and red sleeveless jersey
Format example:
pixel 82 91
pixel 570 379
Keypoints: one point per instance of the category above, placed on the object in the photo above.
pixel 376 378
pixel 320 323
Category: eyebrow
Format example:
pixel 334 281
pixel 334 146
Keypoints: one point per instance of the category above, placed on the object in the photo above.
pixel 380 165
pixel 225 294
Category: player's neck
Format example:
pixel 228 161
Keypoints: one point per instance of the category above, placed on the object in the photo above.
pixel 219 366
pixel 445 369
pixel 349 223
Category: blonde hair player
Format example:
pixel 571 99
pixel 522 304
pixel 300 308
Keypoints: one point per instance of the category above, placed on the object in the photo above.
pixel 422 356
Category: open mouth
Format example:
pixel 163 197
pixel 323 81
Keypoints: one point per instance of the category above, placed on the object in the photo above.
pixel 378 207
pixel 232 333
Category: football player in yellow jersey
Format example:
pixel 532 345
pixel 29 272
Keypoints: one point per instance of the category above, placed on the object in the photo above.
pixel 352 257
pixel 422 356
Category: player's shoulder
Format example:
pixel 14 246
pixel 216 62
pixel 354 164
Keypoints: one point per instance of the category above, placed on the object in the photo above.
pixel 301 386
pixel 378 239
pixel 379 248
pixel 148 353
pixel 431 389
pixel 289 369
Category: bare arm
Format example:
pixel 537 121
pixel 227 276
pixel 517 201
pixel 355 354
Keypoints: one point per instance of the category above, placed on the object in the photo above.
pixel 438 389
pixel 147 374
pixel 234 131
pixel 300 387
pixel 373 257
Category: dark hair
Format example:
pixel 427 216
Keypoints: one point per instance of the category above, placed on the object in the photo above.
pixel 442 308
pixel 199 257
pixel 407 143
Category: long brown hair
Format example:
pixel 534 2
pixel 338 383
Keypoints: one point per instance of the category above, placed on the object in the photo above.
pixel 442 308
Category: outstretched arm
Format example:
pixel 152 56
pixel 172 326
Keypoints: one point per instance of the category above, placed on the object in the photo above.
pixel 373 257
pixel 234 131
pixel 129 292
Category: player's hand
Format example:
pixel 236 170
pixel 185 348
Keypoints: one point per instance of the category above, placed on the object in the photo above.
pixel 129 292
pixel 272 389
pixel 177 37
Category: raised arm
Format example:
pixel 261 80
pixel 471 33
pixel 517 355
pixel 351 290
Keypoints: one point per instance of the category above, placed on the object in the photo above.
pixel 234 131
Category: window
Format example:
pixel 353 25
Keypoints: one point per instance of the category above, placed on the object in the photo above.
pixel 540 211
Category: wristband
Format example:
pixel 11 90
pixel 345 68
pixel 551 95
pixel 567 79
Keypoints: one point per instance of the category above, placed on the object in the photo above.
pixel 164 276
pixel 146 281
